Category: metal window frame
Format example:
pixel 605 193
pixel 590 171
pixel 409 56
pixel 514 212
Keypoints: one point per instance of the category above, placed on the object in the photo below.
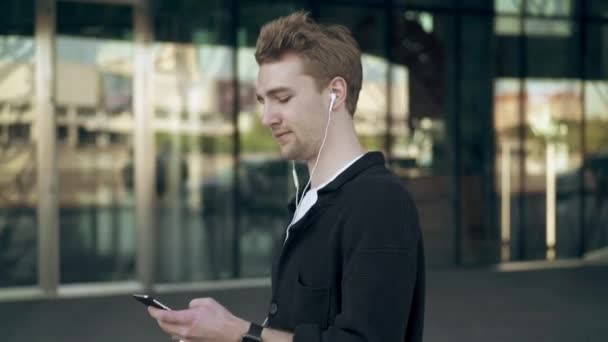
pixel 47 172
pixel 145 172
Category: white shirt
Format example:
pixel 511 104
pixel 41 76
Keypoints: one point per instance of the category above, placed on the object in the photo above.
pixel 311 196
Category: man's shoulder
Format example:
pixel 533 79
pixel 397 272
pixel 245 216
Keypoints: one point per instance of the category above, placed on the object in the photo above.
pixel 376 183
pixel 378 212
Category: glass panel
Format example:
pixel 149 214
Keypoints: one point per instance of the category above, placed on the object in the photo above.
pixel 419 73
pixel 194 141
pixel 548 8
pixel 419 129
pixel 508 6
pixel 552 142
pixel 95 125
pixel 265 185
pixel 539 218
pixel 545 8
pixel 548 27
pixel 553 152
pixel 479 224
pixel 512 26
pixel 509 18
pixel 595 171
pixel 18 197
pixel 597 9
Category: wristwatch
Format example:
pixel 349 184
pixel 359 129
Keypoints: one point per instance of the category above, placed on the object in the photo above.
pixel 254 334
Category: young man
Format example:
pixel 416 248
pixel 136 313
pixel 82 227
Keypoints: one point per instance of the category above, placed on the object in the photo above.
pixel 351 267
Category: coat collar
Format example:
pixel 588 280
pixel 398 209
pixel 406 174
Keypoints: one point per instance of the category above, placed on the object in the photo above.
pixel 367 161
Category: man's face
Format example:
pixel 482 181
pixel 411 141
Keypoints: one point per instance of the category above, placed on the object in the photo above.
pixel 292 107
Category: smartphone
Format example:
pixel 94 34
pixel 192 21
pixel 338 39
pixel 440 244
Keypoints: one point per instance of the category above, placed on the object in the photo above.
pixel 148 300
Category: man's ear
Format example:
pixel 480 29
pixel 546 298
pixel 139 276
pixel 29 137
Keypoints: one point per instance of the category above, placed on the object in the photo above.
pixel 338 87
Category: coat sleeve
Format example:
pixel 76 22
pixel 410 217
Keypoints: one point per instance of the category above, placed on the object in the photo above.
pixel 380 250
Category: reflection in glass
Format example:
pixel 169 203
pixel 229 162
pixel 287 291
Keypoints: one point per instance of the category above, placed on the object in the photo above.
pixel 418 123
pixel 18 198
pixel 552 154
pixel 511 26
pixel 534 7
pixel 507 123
pixel 417 94
pixel 264 183
pixel 95 125
pixel 511 13
pixel 595 165
pixel 370 117
pixel 194 164
pixel 597 9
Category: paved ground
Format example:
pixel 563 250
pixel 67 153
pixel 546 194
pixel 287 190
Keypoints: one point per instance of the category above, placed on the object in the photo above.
pixel 568 304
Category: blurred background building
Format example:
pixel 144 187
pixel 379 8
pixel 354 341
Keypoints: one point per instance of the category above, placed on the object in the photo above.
pixel 132 156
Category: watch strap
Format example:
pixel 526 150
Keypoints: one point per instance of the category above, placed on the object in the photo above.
pixel 254 333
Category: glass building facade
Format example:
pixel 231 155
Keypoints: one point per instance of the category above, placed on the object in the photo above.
pixel 132 150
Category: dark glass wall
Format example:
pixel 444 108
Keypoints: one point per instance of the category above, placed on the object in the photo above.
pixel 18 197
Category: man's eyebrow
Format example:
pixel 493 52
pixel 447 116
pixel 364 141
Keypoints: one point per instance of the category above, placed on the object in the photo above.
pixel 273 91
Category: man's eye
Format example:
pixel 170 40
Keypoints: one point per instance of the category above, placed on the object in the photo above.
pixel 284 99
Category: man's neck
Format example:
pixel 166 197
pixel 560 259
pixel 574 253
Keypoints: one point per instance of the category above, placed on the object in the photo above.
pixel 341 147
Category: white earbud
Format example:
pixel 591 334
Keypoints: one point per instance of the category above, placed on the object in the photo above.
pixel 333 99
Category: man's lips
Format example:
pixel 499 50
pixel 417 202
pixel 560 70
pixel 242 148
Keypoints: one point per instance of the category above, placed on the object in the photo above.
pixel 280 134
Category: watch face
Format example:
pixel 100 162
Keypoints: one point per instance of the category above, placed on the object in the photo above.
pixel 249 338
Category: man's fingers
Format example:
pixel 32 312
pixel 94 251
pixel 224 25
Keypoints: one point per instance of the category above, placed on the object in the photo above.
pixel 174 330
pixel 177 332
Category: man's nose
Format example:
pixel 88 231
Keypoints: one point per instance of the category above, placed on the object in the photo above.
pixel 269 116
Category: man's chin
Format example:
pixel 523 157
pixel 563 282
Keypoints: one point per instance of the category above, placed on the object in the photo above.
pixel 289 154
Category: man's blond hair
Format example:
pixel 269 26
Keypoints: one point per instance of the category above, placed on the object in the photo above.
pixel 326 51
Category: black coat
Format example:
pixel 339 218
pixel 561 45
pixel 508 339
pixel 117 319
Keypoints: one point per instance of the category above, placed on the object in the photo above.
pixel 352 269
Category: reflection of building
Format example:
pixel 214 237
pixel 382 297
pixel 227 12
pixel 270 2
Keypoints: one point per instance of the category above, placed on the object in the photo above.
pixel 556 107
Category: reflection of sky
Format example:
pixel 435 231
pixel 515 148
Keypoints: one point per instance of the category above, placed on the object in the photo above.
pixel 374 68
pixel 534 7
pixel 215 62
pixel 596 100
pixel 16 49
pixel 507 24
pixel 248 67
pixel 91 50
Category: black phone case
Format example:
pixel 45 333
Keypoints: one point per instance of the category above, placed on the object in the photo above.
pixel 150 301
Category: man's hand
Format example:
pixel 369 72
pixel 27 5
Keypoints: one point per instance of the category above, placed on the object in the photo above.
pixel 205 321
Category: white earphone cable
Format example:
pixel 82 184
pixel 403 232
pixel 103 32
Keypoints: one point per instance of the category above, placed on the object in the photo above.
pixel 299 201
